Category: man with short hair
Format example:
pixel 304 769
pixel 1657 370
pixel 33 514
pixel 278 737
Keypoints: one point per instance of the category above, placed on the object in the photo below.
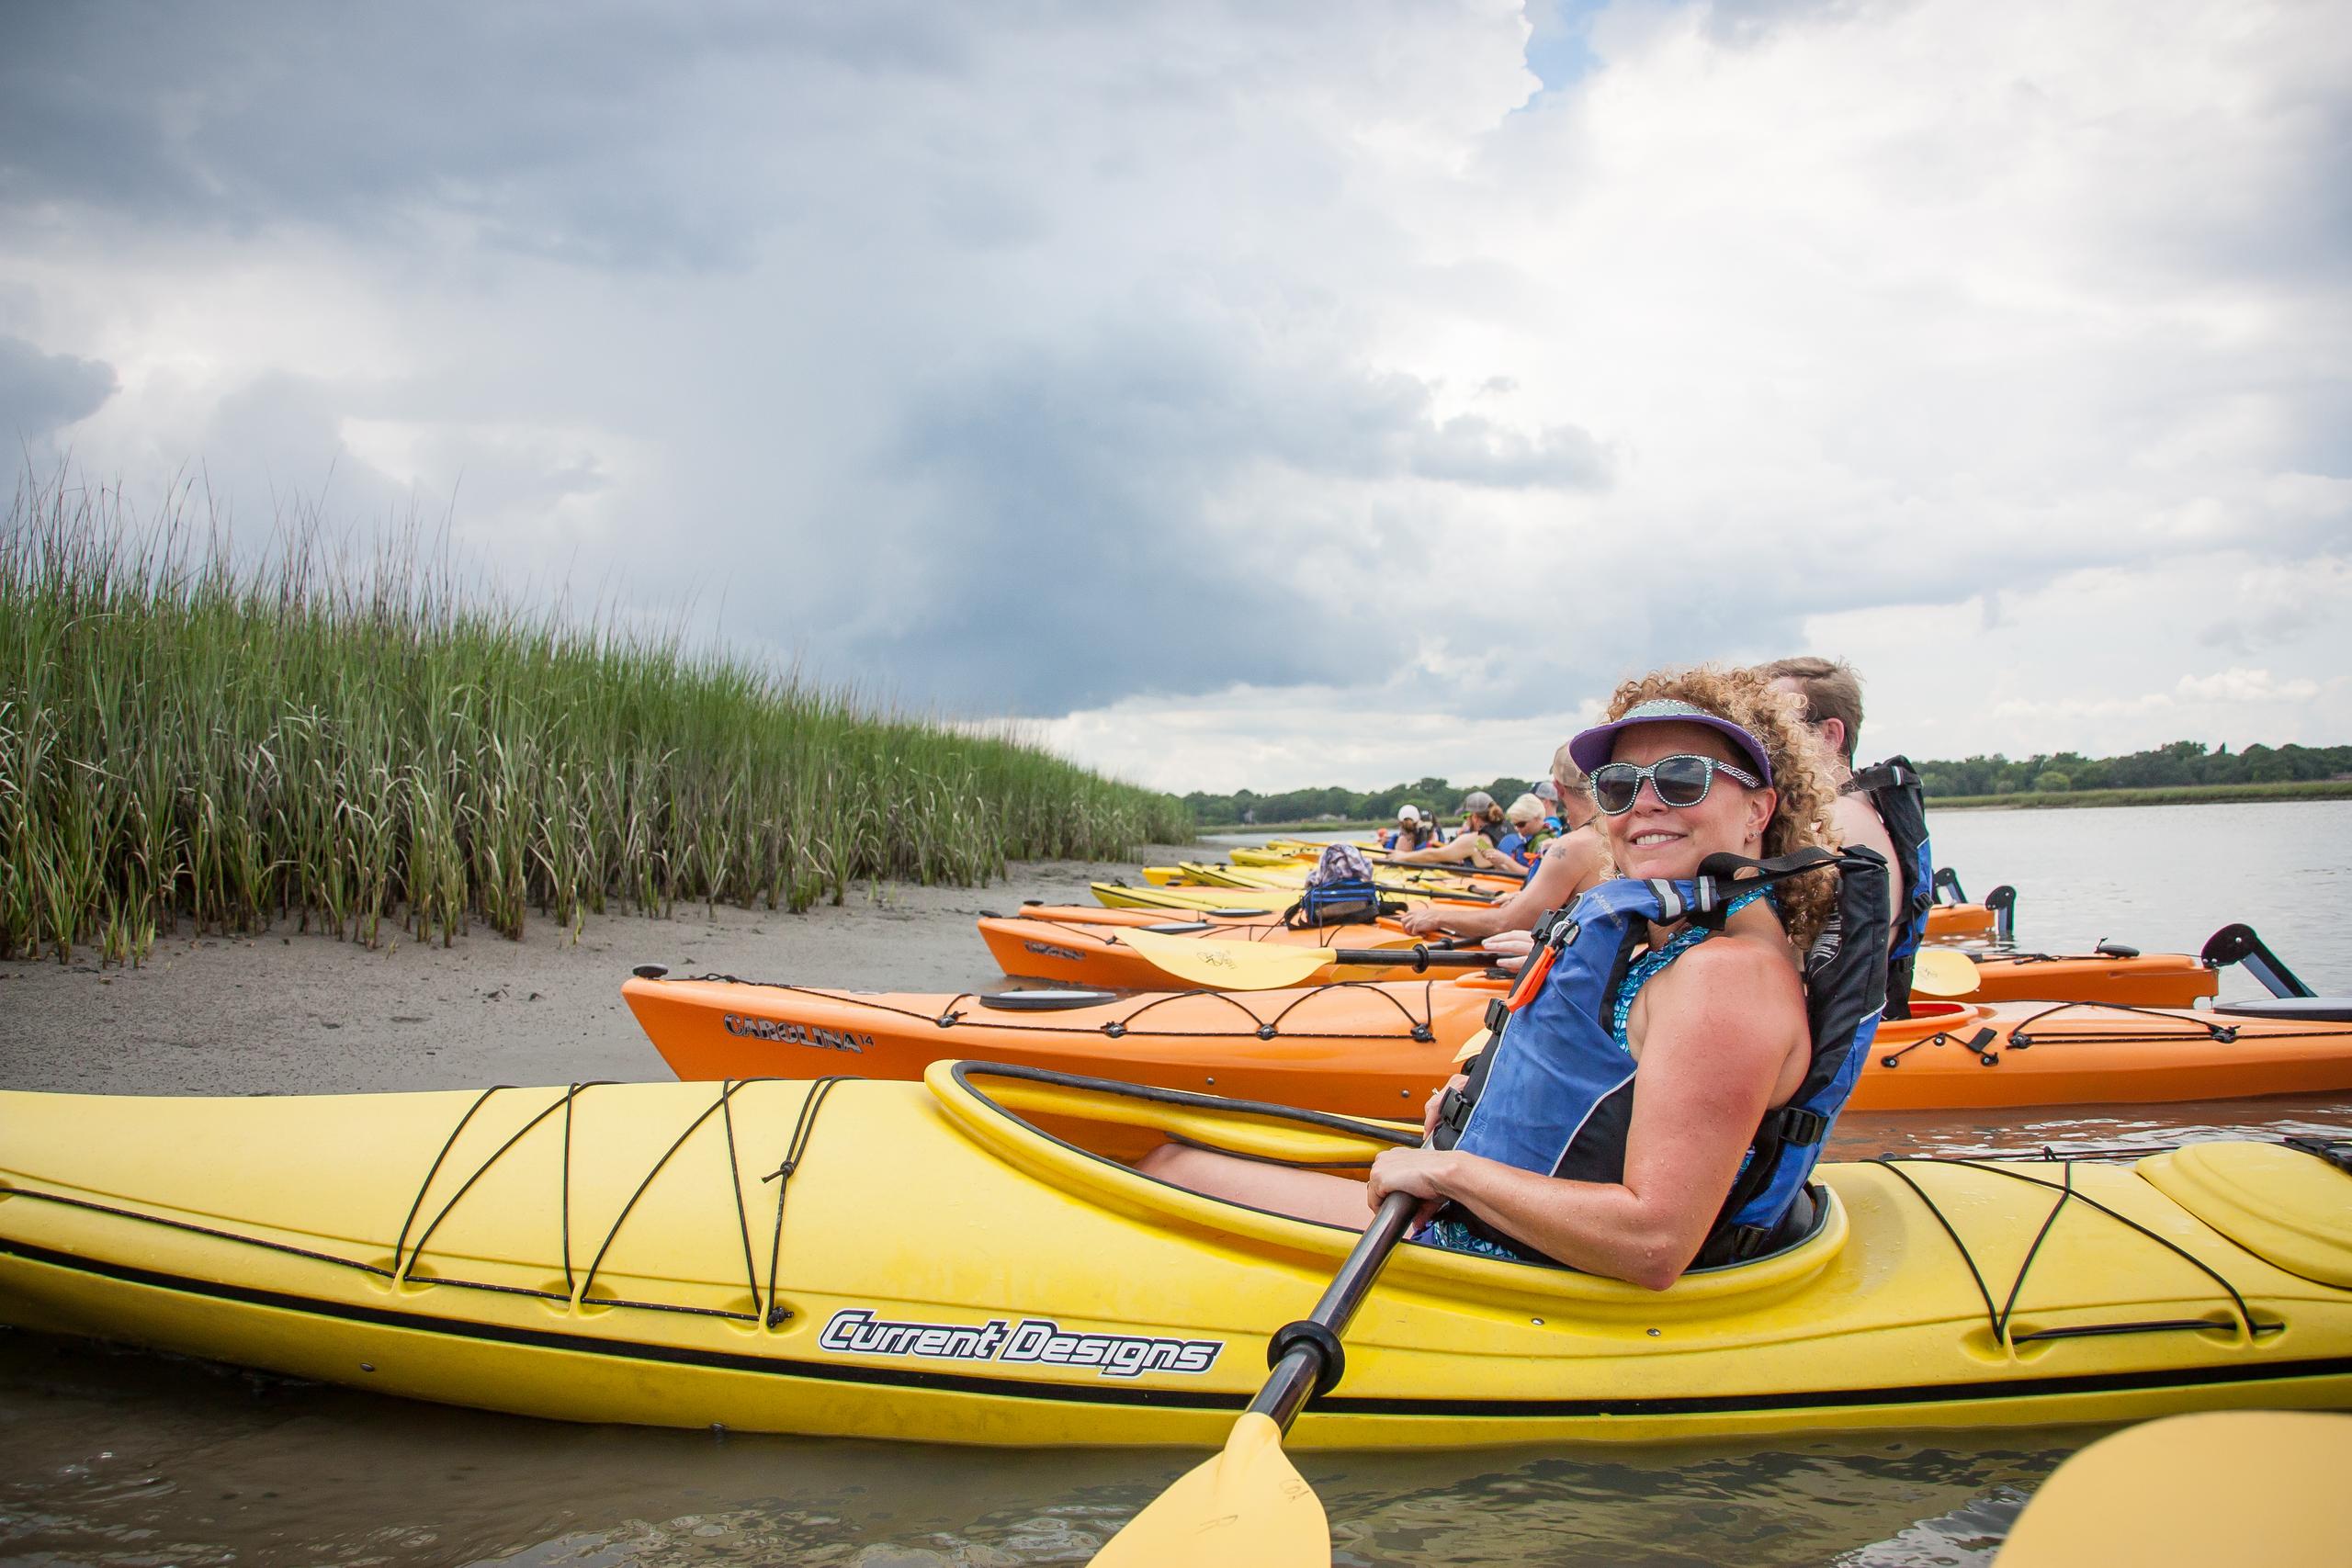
pixel 1832 693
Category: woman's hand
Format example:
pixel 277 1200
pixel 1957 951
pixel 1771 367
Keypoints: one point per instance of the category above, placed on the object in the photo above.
pixel 1510 950
pixel 1419 1172
pixel 1425 920
pixel 1437 1102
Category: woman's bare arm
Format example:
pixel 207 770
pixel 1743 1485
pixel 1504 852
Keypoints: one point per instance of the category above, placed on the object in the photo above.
pixel 1567 868
pixel 1721 1029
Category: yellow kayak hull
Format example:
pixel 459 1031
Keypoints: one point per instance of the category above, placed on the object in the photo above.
pixel 938 1268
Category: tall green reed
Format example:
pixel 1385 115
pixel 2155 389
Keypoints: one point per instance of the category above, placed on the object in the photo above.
pixel 364 743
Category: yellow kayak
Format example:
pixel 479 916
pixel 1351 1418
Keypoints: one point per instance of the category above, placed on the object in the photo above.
pixel 2192 1491
pixel 1265 857
pixel 967 1259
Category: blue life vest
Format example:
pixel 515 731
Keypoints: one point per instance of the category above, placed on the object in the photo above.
pixel 1896 795
pixel 1516 845
pixel 1553 1091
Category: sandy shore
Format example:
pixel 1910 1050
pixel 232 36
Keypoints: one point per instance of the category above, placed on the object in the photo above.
pixel 288 1013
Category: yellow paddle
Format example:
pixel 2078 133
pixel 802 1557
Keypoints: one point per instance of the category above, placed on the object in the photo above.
pixel 1248 1507
pixel 1941 972
pixel 1267 967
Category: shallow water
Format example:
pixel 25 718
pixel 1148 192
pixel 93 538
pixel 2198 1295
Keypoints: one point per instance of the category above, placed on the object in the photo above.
pixel 119 1457
pixel 126 1458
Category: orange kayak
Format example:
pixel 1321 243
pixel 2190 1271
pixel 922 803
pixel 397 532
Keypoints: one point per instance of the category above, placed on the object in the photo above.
pixel 1959 922
pixel 1363 1049
pixel 1080 946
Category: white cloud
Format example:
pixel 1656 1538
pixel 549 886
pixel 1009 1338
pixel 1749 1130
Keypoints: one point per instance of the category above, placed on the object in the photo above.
pixel 1275 396
pixel 2235 685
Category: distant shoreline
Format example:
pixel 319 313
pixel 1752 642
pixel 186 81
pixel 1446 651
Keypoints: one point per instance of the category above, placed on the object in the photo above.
pixel 2163 795
pixel 2024 800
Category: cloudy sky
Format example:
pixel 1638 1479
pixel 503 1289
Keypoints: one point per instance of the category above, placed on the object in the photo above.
pixel 1260 394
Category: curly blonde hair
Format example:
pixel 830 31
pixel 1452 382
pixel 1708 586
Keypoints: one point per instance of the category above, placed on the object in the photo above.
pixel 1800 818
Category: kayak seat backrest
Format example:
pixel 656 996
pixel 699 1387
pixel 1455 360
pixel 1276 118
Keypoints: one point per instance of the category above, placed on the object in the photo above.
pixel 2296 1009
pixel 2291 1209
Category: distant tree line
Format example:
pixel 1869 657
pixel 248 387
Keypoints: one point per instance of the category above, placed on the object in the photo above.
pixel 1344 804
pixel 2184 763
pixel 2181 763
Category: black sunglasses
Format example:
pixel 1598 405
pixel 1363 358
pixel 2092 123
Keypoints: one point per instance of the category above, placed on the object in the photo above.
pixel 1680 780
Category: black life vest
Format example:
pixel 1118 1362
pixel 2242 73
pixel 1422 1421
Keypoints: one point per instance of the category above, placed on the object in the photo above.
pixel 1896 795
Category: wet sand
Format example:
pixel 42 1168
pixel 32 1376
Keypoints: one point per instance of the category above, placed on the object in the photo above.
pixel 289 1012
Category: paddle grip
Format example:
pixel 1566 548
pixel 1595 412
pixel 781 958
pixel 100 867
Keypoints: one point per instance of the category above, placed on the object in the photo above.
pixel 1423 958
pixel 1295 1376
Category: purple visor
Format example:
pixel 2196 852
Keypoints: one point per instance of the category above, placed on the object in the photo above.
pixel 1590 749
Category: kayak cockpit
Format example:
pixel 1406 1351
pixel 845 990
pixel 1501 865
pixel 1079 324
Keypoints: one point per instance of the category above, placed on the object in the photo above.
pixel 1083 1136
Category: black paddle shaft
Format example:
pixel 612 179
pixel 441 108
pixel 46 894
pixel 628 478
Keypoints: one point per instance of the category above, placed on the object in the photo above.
pixel 1421 957
pixel 1311 1362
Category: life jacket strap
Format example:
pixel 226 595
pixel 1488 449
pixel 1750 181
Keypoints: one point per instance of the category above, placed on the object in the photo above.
pixel 1893 773
pixel 1552 932
pixel 1719 882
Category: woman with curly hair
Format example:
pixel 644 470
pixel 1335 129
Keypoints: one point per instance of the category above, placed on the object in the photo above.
pixel 1690 763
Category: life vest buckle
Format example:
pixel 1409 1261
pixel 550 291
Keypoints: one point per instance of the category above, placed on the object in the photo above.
pixel 1799 1124
pixel 1453 1115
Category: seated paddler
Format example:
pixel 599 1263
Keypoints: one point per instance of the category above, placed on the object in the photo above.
pixel 1662 1085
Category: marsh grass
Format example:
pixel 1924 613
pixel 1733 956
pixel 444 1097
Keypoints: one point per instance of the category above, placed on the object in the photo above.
pixel 369 746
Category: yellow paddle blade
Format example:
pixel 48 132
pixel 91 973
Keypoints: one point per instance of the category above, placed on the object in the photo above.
pixel 1229 966
pixel 1247 1507
pixel 1941 972
pixel 2223 1486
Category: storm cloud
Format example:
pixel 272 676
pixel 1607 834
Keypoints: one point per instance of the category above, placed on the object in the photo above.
pixel 40 392
pixel 1169 372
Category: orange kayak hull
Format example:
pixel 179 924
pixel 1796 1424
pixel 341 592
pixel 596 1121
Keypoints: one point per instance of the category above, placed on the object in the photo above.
pixel 1368 1050
pixel 1343 1048
pixel 1076 946
pixel 1959 922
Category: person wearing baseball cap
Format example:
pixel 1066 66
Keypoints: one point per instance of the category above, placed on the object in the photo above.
pixel 1412 831
pixel 1567 866
pixel 1480 815
pixel 1690 764
pixel 1482 830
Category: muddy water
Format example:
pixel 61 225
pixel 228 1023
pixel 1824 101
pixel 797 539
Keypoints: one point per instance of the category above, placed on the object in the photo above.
pixel 121 1457
pixel 126 1458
